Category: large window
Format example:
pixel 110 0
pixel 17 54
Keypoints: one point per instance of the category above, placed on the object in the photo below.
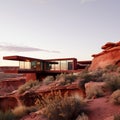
pixel 24 65
pixel 61 65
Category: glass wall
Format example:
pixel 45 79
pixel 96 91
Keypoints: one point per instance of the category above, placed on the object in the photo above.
pixel 36 65
pixel 24 65
pixel 62 65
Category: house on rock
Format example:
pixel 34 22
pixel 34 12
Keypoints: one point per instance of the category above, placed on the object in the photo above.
pixel 40 68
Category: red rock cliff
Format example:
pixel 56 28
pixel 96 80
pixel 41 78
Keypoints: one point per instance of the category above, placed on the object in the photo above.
pixel 109 56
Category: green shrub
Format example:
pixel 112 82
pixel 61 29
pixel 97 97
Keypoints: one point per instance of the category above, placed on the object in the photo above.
pixel 48 80
pixel 112 81
pixel 7 115
pixel 117 117
pixel 28 85
pixel 115 97
pixel 67 108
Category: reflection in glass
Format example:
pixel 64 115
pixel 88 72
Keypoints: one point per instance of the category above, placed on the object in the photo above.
pixel 27 65
pixel 64 65
pixel 21 65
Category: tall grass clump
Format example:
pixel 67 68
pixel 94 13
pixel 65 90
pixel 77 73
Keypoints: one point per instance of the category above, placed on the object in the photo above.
pixel 65 108
pixel 28 85
pixel 8 115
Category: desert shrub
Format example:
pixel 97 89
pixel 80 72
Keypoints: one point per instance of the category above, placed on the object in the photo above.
pixel 117 117
pixel 66 78
pixel 29 98
pixel 115 97
pixel 82 117
pixel 111 68
pixel 28 85
pixel 90 76
pixel 95 91
pixel 112 81
pixel 48 80
pixel 21 111
pixel 8 115
pixel 67 108
pixel 46 99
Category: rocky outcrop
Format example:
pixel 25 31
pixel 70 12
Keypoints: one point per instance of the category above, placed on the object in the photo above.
pixel 11 84
pixel 8 103
pixel 109 56
pixel 94 89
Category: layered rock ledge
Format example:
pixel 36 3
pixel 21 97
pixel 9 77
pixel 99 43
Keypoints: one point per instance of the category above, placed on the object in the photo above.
pixel 109 56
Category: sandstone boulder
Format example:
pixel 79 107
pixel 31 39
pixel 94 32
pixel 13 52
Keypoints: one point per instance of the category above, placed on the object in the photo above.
pixel 109 56
pixel 94 89
pixel 9 85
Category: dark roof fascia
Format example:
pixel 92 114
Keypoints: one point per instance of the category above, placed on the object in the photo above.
pixel 21 58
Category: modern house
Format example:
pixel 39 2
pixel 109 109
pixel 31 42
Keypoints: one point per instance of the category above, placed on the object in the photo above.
pixel 39 68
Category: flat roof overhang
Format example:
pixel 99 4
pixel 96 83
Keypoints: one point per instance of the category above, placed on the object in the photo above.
pixel 21 58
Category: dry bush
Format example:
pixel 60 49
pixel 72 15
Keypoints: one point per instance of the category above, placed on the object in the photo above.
pixel 82 117
pixel 64 108
pixel 21 111
pixel 48 98
pixel 111 68
pixel 115 97
pixel 47 80
pixel 66 78
pixel 112 81
pixel 28 85
pixel 87 76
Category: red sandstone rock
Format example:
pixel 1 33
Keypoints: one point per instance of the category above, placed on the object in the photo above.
pixel 7 103
pixel 110 56
pixel 94 88
pixel 11 84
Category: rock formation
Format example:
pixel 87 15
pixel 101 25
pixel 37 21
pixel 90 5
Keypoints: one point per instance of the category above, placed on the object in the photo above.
pixel 11 84
pixel 7 103
pixel 109 56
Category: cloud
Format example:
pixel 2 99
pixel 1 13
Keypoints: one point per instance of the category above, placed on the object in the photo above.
pixel 16 48
pixel 86 1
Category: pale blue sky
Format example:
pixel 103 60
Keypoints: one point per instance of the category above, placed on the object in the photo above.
pixel 57 28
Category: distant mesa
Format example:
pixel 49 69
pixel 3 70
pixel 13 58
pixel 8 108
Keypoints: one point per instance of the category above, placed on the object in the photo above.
pixel 109 56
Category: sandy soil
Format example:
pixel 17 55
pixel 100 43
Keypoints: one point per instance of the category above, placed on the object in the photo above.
pixel 101 109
